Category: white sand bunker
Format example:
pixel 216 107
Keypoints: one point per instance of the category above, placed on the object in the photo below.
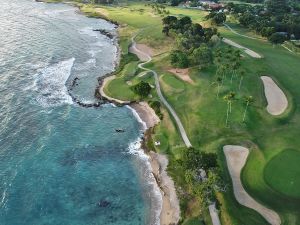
pixel 247 50
pixel 277 101
pixel 236 157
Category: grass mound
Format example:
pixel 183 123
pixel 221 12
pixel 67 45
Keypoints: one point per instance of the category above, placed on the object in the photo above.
pixel 174 84
pixel 283 173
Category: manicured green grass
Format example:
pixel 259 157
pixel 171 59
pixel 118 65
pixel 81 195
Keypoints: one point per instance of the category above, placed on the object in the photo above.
pixel 120 90
pixel 172 83
pixel 129 70
pixel 283 173
pixel 203 114
pixel 193 221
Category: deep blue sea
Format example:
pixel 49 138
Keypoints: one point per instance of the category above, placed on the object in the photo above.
pixel 61 163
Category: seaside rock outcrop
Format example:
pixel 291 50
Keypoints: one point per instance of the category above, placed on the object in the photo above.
pixel 103 203
pixel 106 33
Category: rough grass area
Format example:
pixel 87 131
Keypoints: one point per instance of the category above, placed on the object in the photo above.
pixel 283 173
pixel 172 83
pixel 203 115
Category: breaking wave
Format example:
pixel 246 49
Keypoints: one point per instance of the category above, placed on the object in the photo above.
pixel 50 84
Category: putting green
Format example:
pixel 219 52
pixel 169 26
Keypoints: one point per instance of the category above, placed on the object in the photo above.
pixel 283 173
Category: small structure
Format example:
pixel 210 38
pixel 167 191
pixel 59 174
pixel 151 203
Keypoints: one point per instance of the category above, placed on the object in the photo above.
pixel 157 143
pixel 201 175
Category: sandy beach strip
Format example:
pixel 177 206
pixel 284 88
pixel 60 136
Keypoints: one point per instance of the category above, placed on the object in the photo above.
pixel 236 157
pixel 170 213
pixel 246 50
pixel 146 113
pixel 277 101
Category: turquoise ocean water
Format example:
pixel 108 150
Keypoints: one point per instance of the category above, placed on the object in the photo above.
pixel 61 163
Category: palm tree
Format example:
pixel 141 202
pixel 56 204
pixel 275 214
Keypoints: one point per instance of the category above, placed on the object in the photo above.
pixel 229 98
pixel 226 68
pixel 248 101
pixel 235 65
pixel 242 74
pixel 219 82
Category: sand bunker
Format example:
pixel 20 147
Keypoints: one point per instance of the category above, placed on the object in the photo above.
pixel 247 50
pixel 277 101
pixel 142 51
pixel 236 157
pixel 183 74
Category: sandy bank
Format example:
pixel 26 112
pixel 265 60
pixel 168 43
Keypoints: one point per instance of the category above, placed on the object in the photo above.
pixel 246 50
pixel 142 51
pixel 170 213
pixel 277 101
pixel 236 157
pixel 182 74
pixel 146 113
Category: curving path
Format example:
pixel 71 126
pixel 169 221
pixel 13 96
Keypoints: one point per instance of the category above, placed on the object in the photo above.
pixel 246 50
pixel 136 51
pixel 242 35
pixel 236 157
pixel 212 208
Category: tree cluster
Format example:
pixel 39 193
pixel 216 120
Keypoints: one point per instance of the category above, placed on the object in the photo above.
pixel 228 62
pixel 202 174
pixel 159 9
pixel 216 18
pixel 278 20
pixel 193 41
pixel 142 89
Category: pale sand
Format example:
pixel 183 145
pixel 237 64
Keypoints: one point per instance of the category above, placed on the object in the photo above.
pixel 277 101
pixel 170 213
pixel 140 49
pixel 236 157
pixel 214 214
pixel 146 113
pixel 106 80
pixel 246 50
pixel 102 11
pixel 183 74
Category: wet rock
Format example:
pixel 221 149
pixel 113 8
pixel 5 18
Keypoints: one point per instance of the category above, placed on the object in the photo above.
pixel 104 203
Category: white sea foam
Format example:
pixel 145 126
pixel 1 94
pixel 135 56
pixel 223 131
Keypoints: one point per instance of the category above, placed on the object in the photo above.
pixel 89 31
pixel 50 84
pixel 136 115
pixel 3 199
pixel 154 194
pixel 135 148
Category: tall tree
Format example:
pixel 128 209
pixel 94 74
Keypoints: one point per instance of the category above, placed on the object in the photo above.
pixel 248 100
pixel 229 98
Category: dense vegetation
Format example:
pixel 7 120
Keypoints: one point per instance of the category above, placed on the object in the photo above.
pixel 193 41
pixel 278 20
pixel 203 105
pixel 202 174
pixel 142 89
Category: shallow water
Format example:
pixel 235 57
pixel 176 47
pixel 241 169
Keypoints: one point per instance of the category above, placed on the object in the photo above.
pixel 61 163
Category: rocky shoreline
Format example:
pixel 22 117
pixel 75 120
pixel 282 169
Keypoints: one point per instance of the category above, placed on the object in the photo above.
pixel 170 213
